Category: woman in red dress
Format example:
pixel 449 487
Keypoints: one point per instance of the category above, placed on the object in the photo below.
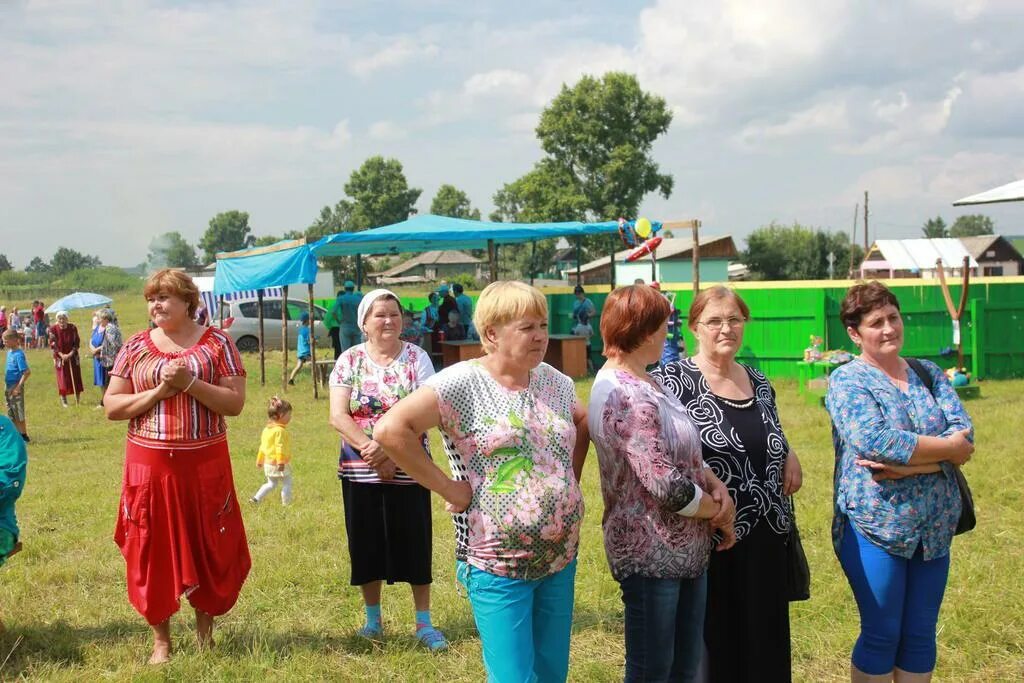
pixel 179 526
pixel 64 343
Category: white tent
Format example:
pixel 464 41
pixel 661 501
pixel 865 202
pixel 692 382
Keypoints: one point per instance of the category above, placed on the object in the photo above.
pixel 1011 192
pixel 916 256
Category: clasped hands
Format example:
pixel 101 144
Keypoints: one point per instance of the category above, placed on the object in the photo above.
pixel 174 377
pixel 724 520
pixel 373 454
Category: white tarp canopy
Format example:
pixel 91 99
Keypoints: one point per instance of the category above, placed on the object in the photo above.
pixel 1011 192
pixel 921 254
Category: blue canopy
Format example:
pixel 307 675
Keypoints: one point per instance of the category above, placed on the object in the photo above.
pixel 288 262
pixel 429 232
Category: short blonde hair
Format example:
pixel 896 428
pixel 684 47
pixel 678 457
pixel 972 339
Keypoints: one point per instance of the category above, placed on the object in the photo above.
pixel 504 301
pixel 173 283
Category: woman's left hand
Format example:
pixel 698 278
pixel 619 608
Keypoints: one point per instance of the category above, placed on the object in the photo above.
pixel 728 537
pixel 176 374
pixel 792 475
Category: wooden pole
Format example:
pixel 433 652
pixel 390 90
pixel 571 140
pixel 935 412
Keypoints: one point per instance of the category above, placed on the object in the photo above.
pixel 579 257
pixel 262 340
pixel 853 239
pixel 312 342
pixel 696 257
pixel 359 272
pixel 492 257
pixel 284 338
pixel 220 310
pixel 865 222
pixel 611 260
pixel 956 313
pixel 533 259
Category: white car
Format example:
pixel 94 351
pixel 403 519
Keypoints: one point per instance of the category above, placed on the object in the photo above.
pixel 242 325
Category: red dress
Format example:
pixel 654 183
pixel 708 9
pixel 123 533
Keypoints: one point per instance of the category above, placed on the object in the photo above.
pixel 69 373
pixel 179 526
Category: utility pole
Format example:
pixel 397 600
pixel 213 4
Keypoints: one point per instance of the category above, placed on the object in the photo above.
pixel 866 245
pixel 853 238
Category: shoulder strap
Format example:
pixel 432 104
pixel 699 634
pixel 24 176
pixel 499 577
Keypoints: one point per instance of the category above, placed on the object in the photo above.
pixel 926 377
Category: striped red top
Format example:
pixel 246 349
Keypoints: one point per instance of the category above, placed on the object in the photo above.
pixel 179 418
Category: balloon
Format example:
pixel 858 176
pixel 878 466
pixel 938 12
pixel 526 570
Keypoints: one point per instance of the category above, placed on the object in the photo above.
pixel 643 227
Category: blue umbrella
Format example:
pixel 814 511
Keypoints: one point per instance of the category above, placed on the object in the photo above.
pixel 79 300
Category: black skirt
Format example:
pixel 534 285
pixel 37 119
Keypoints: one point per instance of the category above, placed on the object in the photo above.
pixel 389 532
pixel 746 626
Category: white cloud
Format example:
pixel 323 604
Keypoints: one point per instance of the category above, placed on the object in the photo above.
pixel 401 51
pixel 936 179
pixel 503 82
pixel 386 130
pixel 824 116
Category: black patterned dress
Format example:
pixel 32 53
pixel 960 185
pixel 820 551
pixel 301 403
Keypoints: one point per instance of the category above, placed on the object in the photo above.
pixel 746 627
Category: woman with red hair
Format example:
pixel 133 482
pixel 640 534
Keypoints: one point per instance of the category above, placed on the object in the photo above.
pixel 179 526
pixel 661 501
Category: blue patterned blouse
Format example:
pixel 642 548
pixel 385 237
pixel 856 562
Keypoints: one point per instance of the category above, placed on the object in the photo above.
pixel 873 420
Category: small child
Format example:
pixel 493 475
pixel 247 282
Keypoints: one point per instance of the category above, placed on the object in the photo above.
pixel 15 375
pixel 454 330
pixel 410 329
pixel 275 454
pixel 302 347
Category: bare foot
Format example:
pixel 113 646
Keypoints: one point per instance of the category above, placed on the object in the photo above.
pixel 204 630
pixel 161 653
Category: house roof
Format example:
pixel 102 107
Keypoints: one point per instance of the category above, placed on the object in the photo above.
pixel 917 254
pixel 429 258
pixel 977 245
pixel 670 247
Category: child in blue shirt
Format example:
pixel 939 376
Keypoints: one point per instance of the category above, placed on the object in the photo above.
pixel 15 374
pixel 302 348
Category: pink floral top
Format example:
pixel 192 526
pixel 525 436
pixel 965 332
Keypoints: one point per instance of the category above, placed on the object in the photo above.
pixel 515 448
pixel 374 390
pixel 652 479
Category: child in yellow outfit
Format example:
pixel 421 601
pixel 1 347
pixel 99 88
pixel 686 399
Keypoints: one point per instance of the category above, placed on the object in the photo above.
pixel 275 454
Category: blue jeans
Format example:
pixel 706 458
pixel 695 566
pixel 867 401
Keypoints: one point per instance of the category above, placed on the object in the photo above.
pixel 524 625
pixel 664 627
pixel 349 336
pixel 899 602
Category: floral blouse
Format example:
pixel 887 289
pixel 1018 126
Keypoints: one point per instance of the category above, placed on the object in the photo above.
pixel 515 449
pixel 652 479
pixel 374 390
pixel 873 420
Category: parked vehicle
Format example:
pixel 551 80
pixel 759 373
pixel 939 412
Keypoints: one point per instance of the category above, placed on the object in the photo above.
pixel 242 324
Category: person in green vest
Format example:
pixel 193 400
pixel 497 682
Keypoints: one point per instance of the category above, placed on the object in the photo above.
pixel 332 322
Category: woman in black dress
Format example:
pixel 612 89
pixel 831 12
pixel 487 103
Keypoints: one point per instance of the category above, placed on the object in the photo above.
pixel 746 627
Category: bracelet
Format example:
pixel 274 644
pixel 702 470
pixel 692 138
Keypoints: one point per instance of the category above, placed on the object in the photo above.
pixel 194 378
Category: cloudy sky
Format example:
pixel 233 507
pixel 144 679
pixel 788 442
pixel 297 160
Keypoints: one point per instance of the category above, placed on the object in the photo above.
pixel 120 120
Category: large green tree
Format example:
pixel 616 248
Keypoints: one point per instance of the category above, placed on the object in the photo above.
pixel 379 194
pixel 935 227
pixel 66 260
pixel 5 265
pixel 451 201
pixel 798 252
pixel 601 131
pixel 972 224
pixel 171 250
pixel 228 231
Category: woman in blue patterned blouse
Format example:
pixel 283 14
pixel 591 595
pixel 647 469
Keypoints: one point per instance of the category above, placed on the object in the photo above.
pixel 896 499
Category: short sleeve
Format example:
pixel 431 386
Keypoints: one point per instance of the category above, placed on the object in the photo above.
pixel 450 386
pixel 229 361
pixel 344 368
pixel 424 368
pixel 125 358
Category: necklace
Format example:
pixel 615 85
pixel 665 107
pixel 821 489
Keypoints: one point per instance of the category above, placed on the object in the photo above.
pixel 746 403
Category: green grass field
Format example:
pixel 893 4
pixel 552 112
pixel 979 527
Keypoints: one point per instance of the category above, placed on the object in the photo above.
pixel 68 618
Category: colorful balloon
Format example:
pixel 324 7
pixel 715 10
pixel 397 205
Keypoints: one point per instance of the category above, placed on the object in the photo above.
pixel 643 228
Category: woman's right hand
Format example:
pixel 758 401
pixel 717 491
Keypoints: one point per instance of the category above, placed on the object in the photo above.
pixel 960 447
pixel 372 453
pixel 457 495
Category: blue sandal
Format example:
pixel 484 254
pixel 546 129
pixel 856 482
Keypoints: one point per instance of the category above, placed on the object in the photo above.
pixel 433 639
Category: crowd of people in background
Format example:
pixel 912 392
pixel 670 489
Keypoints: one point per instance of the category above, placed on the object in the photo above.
pixel 696 473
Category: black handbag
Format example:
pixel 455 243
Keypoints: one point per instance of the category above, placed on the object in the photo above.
pixel 967 519
pixel 798 572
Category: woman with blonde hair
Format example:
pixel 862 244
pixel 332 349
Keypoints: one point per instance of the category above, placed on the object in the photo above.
pixel 178 525
pixel 516 439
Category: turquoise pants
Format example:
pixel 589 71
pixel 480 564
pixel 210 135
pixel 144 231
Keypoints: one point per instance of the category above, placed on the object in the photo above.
pixel 524 625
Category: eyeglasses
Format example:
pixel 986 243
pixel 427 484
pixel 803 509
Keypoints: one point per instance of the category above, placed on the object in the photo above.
pixel 716 324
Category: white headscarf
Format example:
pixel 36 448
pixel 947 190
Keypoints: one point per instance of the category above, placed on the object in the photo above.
pixel 367 303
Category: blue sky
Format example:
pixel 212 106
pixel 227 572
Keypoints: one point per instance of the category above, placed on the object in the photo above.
pixel 123 120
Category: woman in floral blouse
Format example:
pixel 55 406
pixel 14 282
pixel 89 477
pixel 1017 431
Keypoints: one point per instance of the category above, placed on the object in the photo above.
pixel 516 439
pixel 387 514
pixel 896 498
pixel 659 495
